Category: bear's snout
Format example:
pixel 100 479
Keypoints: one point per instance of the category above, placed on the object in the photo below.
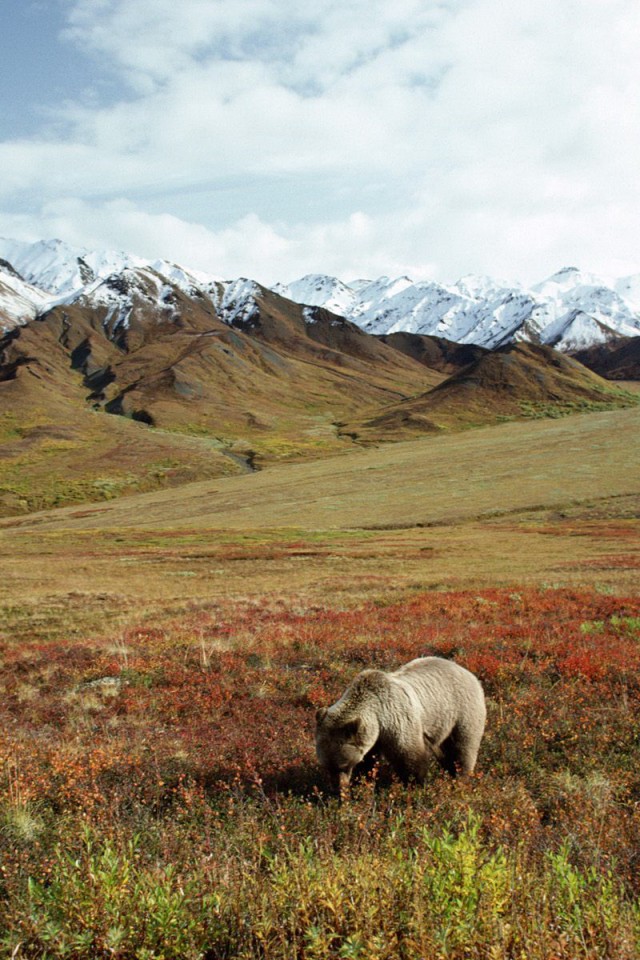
pixel 343 779
pixel 339 780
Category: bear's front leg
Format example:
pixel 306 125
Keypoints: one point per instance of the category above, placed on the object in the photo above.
pixel 417 766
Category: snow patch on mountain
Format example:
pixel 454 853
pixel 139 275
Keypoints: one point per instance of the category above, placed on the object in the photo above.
pixel 120 293
pixel 237 302
pixel 61 270
pixel 316 290
pixel 372 295
pixel 483 288
pixel 577 330
pixel 192 282
pixel 629 289
pixel 19 300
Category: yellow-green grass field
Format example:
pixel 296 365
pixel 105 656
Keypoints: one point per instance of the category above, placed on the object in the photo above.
pixel 551 502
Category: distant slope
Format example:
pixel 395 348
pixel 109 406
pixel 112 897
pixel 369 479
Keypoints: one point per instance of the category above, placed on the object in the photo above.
pixel 615 360
pixel 520 380
pixel 253 380
pixel 446 356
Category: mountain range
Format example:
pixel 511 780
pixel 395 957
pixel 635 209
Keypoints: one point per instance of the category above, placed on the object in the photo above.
pixel 570 310
pixel 232 375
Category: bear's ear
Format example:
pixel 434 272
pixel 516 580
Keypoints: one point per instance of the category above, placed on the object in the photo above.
pixel 350 729
pixel 321 713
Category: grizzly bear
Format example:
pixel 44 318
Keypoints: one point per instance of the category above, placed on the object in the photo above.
pixel 429 707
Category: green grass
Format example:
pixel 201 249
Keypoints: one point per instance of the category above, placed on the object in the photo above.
pixel 412 892
pixel 101 457
pixel 532 410
pixel 445 478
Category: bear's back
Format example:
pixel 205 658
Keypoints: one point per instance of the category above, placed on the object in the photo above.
pixel 430 673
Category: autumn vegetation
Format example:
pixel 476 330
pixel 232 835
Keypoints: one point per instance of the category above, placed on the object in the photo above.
pixel 204 535
pixel 161 797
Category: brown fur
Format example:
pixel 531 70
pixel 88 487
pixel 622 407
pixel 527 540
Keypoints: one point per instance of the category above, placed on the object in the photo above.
pixel 427 708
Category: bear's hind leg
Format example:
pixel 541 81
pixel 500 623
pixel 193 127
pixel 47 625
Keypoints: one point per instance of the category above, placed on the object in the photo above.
pixel 457 754
pixel 463 747
pixel 447 754
pixel 450 756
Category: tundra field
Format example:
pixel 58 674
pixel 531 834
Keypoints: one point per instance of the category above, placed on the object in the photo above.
pixel 163 656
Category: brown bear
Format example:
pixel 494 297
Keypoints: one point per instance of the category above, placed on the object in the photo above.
pixel 428 707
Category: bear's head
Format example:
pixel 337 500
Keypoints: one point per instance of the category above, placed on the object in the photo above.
pixel 340 746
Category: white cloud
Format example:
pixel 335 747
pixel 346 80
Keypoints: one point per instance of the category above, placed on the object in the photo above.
pixel 271 252
pixel 447 137
pixel 156 40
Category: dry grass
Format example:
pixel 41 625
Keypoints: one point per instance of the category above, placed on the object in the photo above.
pixel 477 473
pixel 549 502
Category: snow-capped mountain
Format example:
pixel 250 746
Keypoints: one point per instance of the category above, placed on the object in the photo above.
pixel 316 290
pixel 51 272
pixel 64 272
pixel 570 310
pixel 59 270
pixel 34 277
pixel 19 301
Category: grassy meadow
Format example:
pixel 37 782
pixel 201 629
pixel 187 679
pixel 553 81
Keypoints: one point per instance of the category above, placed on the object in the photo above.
pixel 162 657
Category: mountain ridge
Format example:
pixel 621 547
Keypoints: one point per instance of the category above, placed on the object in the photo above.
pixel 570 310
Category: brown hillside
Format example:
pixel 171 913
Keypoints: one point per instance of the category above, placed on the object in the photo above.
pixel 266 382
pixel 437 353
pixel 316 335
pixel 270 390
pixel 520 380
pixel 617 359
pixel 55 448
pixel 185 369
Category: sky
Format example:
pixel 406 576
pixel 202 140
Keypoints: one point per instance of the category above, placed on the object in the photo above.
pixel 356 138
